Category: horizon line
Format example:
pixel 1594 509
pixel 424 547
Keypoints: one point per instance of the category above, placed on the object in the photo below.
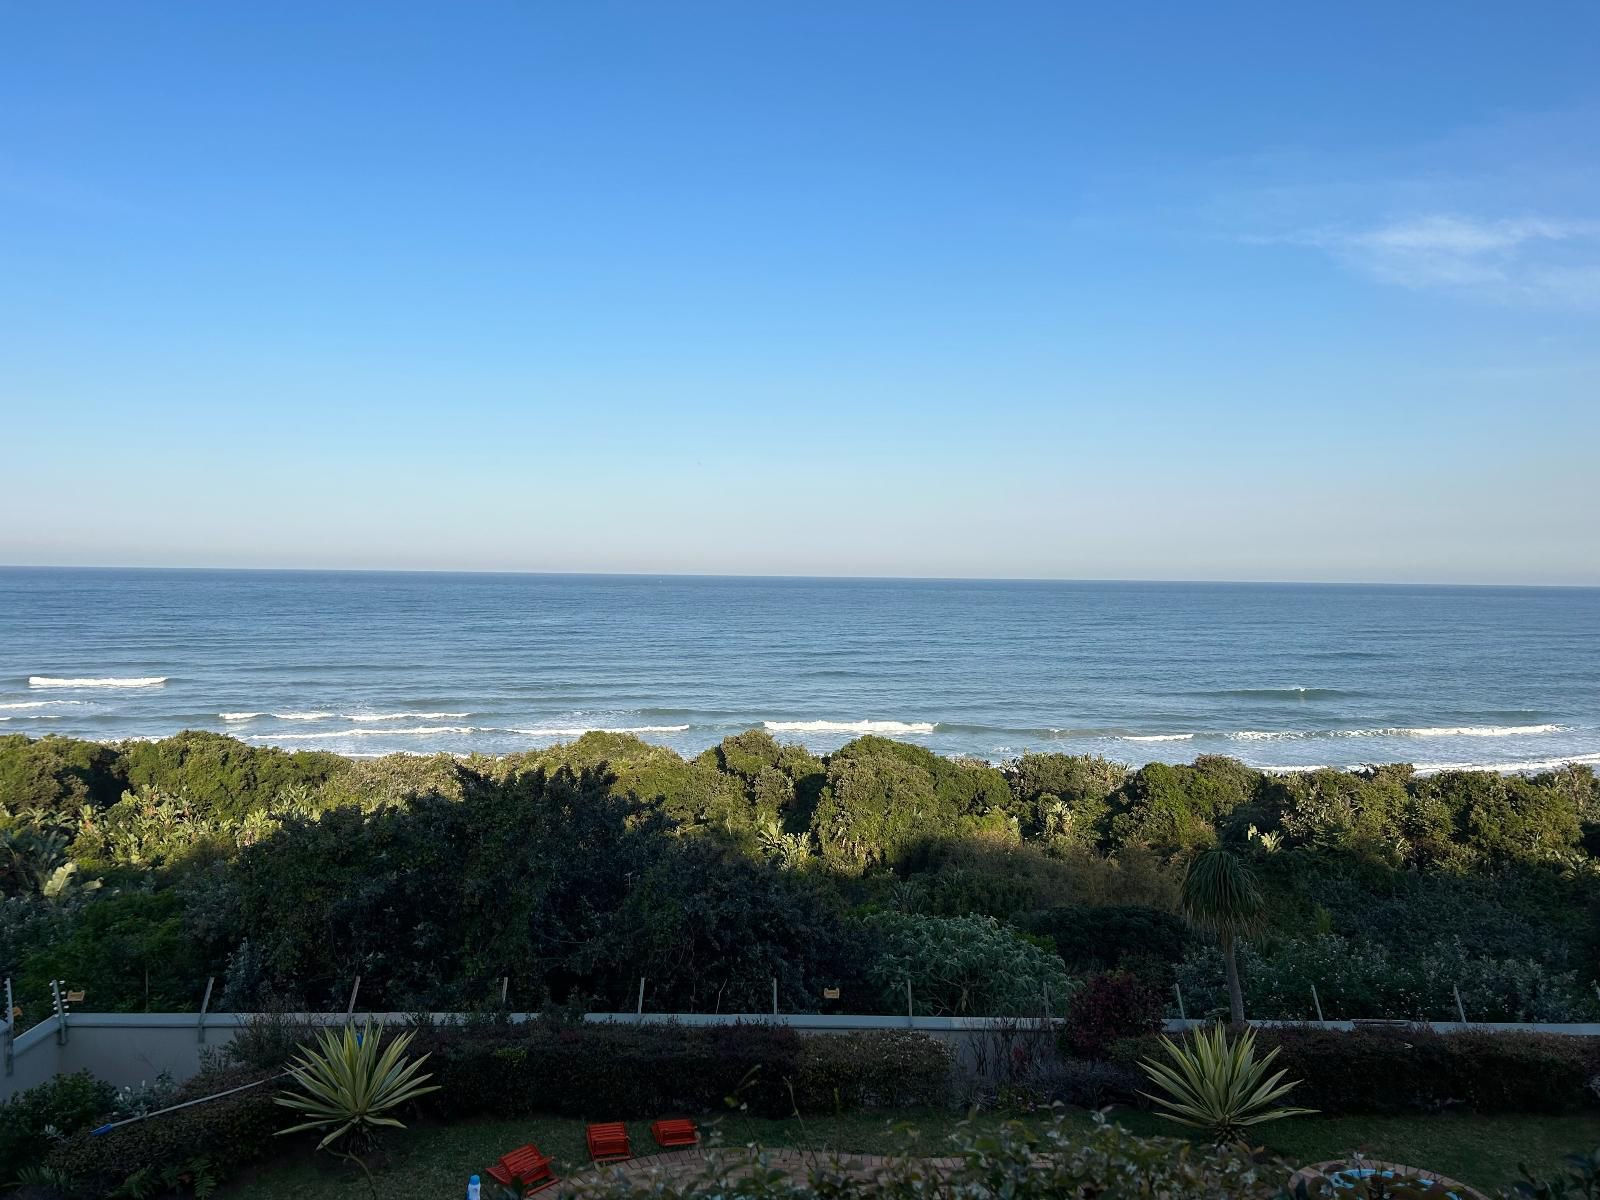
pixel 795 577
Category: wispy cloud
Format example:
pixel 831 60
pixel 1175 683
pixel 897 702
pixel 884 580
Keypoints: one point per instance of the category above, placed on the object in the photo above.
pixel 1515 258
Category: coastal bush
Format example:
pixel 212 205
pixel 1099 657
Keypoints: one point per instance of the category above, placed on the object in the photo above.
pixel 1357 978
pixel 961 965
pixel 57 774
pixel 1147 941
pixel 1175 809
pixel 222 776
pixel 130 952
pixel 568 872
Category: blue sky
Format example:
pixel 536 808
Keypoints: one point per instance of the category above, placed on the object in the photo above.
pixel 1144 291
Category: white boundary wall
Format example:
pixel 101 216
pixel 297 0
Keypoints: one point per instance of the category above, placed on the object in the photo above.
pixel 130 1048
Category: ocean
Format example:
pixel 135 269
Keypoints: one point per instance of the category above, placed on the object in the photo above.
pixel 365 663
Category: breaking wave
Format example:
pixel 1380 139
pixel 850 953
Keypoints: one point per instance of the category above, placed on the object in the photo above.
pixel 849 726
pixel 137 681
pixel 403 716
pixel 1155 737
pixel 326 735
pixel 575 731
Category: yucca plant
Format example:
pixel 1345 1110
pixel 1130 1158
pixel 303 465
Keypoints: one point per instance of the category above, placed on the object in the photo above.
pixel 350 1083
pixel 1219 1086
pixel 1221 897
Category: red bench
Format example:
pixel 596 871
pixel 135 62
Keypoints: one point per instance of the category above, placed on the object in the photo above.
pixel 608 1142
pixel 675 1132
pixel 527 1166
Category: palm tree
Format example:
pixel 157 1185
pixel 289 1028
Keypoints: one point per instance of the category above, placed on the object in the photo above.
pixel 1221 897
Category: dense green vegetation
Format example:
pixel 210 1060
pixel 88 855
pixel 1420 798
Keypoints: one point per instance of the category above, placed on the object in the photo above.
pixel 134 871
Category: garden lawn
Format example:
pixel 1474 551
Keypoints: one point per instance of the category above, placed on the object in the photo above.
pixel 433 1163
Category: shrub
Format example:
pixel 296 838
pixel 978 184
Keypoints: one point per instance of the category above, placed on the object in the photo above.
pixel 1219 1085
pixel 1416 1070
pixel 885 1070
pixel 620 1071
pixel 1107 1009
pixel 205 1142
pixel 966 964
pixel 30 1121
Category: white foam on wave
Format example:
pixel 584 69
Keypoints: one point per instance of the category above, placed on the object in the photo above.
pixel 240 716
pixel 575 731
pixel 1532 766
pixel 1155 737
pixel 136 681
pixel 301 716
pixel 40 703
pixel 1397 731
pixel 417 731
pixel 403 716
pixel 849 726
pixel 1463 731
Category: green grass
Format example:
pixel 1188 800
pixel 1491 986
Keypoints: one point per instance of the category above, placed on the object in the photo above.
pixel 434 1162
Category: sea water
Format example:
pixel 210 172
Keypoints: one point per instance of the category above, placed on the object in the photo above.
pixel 362 663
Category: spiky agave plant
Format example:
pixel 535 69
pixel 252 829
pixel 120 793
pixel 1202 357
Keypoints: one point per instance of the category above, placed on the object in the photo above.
pixel 350 1083
pixel 1219 1086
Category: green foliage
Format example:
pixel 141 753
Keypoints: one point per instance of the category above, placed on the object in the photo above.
pixel 1134 937
pixel 1174 809
pixel 130 952
pixel 222 776
pixel 1579 1181
pixel 57 774
pixel 1218 1085
pixel 961 965
pixel 888 1069
pixel 1360 978
pixel 32 1121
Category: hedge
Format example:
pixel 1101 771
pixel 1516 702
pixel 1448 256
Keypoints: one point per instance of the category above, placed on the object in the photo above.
pixel 605 1072
pixel 1412 1069
pixel 207 1141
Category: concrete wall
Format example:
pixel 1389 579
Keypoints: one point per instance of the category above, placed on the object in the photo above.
pixel 129 1048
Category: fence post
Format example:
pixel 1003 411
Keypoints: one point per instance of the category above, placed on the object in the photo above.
pixel 911 1012
pixel 61 1011
pixel 639 1008
pixel 10 1025
pixel 1460 1010
pixel 1318 1002
pixel 205 1003
pixel 505 986
pixel 1182 1016
pixel 774 995
pixel 1047 1015
pixel 349 1009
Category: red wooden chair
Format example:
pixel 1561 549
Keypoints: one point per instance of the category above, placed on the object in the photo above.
pixel 608 1142
pixel 527 1167
pixel 675 1132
